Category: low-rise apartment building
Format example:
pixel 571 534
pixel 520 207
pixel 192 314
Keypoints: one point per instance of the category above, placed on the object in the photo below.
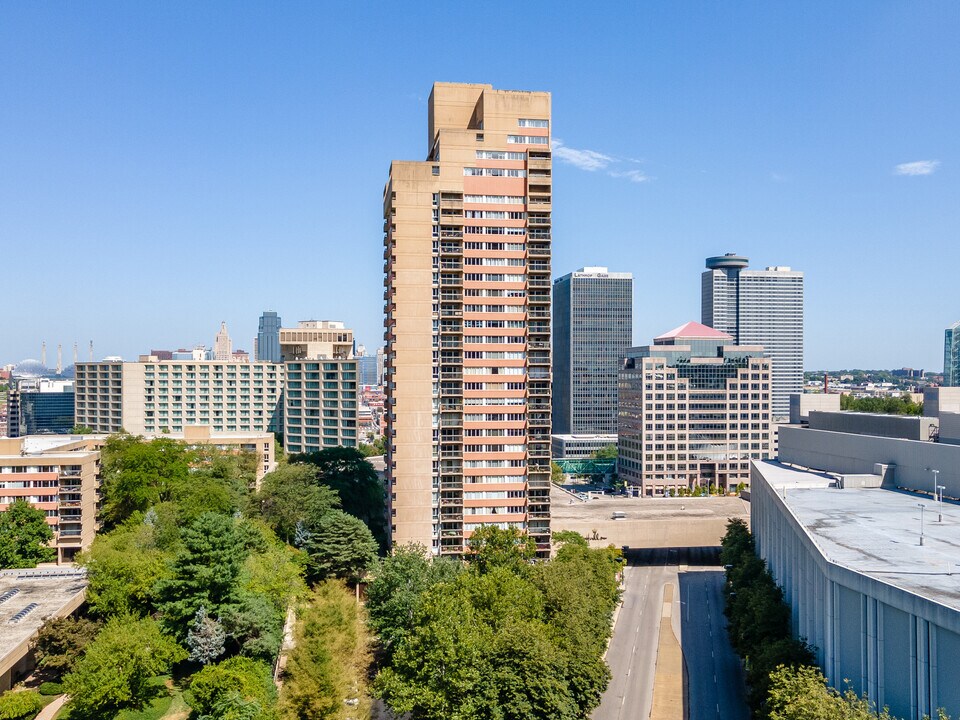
pixel 59 475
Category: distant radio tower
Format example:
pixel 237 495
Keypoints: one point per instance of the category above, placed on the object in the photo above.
pixel 43 353
pixel 59 359
pixel 91 351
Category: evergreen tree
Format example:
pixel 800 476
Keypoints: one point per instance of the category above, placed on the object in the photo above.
pixel 204 573
pixel 206 639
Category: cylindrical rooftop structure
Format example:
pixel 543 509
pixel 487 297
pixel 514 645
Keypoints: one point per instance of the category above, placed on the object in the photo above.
pixel 728 261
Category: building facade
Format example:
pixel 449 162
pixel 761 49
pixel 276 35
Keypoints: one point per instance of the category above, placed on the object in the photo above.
pixel 951 355
pixel 467 248
pixel 694 410
pixel 268 338
pixel 315 339
pixel 878 605
pixel 592 329
pixel 61 477
pixel 320 404
pixel 153 396
pixel 759 307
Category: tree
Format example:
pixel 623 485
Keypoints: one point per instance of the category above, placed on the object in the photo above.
pixel 292 496
pixel 607 452
pixel 137 474
pixel 399 582
pixel 362 493
pixel 204 573
pixel 339 545
pixel 236 689
pixel 799 693
pixel 377 447
pixel 20 705
pixel 81 430
pixel 24 534
pixel 557 475
pixel 123 568
pixel 255 626
pixel 206 639
pixel 62 641
pixel 116 670
pixel 492 546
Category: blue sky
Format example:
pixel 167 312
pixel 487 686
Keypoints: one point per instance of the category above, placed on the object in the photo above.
pixel 165 166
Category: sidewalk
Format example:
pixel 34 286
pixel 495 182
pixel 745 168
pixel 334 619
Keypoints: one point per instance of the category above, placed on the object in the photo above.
pixel 50 711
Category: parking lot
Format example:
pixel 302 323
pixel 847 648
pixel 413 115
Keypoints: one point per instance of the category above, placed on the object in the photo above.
pixel 648 522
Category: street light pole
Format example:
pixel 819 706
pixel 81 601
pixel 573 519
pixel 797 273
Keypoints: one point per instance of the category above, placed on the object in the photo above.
pixel 921 506
pixel 940 489
pixel 936 474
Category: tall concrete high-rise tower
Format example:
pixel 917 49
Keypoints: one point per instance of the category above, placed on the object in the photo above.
pixel 951 355
pixel 592 329
pixel 467 290
pixel 759 307
pixel 268 337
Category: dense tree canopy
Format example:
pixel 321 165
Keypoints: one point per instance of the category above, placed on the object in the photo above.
pixel 291 498
pixel 236 689
pixel 62 641
pixel 339 545
pixel 903 405
pixel 503 638
pixel 116 670
pixel 361 491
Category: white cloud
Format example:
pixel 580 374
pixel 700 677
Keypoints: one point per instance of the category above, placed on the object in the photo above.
pixel 593 160
pixel 918 167
pixel 584 159
pixel 637 176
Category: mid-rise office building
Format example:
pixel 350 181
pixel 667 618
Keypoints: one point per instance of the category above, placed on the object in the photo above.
pixel 759 307
pixel 368 370
pixel 592 329
pixel 467 288
pixel 153 396
pixel 951 356
pixel 268 338
pixel 694 410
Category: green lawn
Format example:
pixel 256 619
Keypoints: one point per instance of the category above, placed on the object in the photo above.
pixel 164 706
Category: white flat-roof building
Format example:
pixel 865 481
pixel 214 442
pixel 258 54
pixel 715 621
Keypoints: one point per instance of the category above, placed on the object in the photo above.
pixel 881 610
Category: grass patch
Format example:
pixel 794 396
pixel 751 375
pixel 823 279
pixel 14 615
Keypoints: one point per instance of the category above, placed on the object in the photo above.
pixel 156 709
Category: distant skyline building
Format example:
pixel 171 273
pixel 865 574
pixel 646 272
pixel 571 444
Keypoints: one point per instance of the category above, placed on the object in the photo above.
pixel 694 410
pixel 951 356
pixel 223 345
pixel 592 329
pixel 268 337
pixel 467 245
pixel 759 307
pixel 39 406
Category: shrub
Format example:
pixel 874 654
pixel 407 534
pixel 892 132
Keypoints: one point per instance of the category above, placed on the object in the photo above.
pixel 19 705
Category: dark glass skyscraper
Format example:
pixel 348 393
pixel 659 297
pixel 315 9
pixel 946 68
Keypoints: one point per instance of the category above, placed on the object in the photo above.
pixel 268 337
pixel 592 329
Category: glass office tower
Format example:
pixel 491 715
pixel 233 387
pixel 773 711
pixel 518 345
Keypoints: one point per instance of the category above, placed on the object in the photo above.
pixel 592 329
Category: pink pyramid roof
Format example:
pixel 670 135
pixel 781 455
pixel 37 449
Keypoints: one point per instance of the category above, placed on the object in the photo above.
pixel 693 330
